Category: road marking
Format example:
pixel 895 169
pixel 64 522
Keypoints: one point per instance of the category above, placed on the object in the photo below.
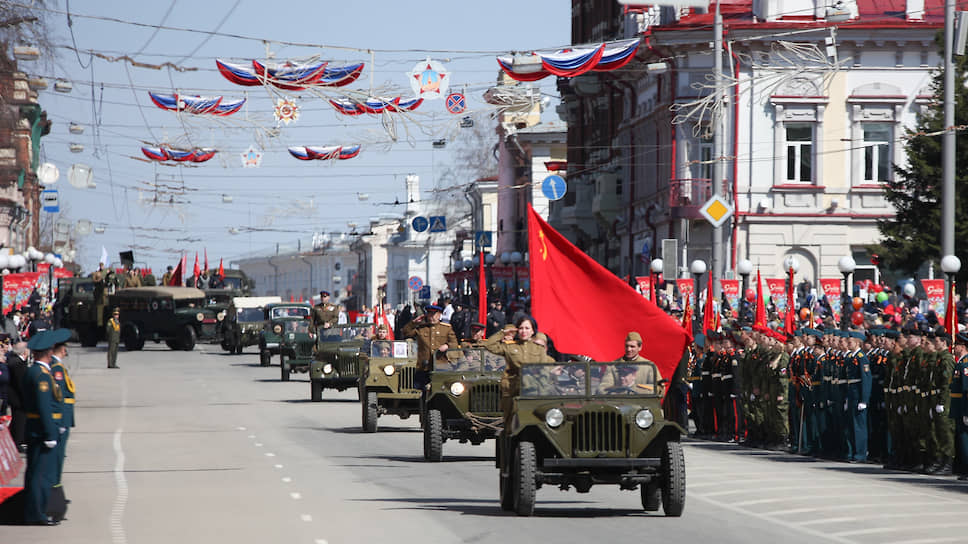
pixel 270 454
pixel 793 527
pixel 321 541
pixel 793 511
pixel 121 483
pixel 898 528
pixel 277 466
pixel 779 488
pixel 258 444
pixel 928 540
pixel 295 496
pixel 827 520
pixel 306 517
pixel 240 428
pixel 815 497
pixel 287 479
pixel 251 436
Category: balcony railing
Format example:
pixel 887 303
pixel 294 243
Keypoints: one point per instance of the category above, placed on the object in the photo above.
pixel 686 196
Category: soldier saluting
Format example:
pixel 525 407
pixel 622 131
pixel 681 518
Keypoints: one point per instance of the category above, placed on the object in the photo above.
pixel 325 314
pixel 433 337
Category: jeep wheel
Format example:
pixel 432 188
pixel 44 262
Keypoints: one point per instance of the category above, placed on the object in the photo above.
pixel 227 346
pixel 285 368
pixel 651 496
pixel 172 344
pixel 674 480
pixel 370 414
pixel 186 339
pixel 264 358
pixel 525 468
pixel 433 436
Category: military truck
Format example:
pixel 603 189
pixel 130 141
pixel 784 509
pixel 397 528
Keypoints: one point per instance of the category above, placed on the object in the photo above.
pixel 339 359
pixel 276 315
pixel 244 322
pixel 586 423
pixel 236 282
pixel 175 315
pixel 78 310
pixel 386 386
pixel 464 400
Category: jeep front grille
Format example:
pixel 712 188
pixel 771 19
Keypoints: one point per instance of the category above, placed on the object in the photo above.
pixel 485 397
pixel 347 367
pixel 208 330
pixel 304 349
pixel 405 377
pixel 597 433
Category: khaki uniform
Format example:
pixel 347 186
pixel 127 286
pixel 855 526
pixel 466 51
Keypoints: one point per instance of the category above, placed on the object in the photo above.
pixel 516 354
pixel 430 336
pixel 325 313
pixel 646 377
pixel 132 279
pixel 113 335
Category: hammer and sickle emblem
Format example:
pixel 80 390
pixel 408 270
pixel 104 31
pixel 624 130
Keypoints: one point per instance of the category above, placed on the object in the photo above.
pixel 544 246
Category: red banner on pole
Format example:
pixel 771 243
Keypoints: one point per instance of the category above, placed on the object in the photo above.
pixel 645 286
pixel 686 290
pixel 935 292
pixel 731 292
pixel 777 289
pixel 831 290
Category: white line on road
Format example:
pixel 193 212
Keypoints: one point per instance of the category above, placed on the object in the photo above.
pixel 258 444
pixel 240 428
pixel 116 520
pixel 287 479
pixel 251 436
pixel 793 527
pixel 277 466
pixel 295 496
pixel 270 454
pixel 306 517
pixel 815 497
pixel 928 540
pixel 321 541
pixel 793 511
pixel 906 527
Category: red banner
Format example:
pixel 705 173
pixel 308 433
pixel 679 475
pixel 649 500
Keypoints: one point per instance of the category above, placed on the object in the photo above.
pixel 10 462
pixel 778 295
pixel 686 290
pixel 645 286
pixel 831 289
pixel 935 292
pixel 731 292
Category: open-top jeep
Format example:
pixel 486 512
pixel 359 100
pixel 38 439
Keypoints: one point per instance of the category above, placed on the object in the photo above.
pixel 339 358
pixel 275 317
pixel 464 400
pixel 244 322
pixel 386 386
pixel 296 347
pixel 586 423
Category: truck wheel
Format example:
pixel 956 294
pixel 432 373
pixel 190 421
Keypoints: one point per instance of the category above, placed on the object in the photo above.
pixel 370 414
pixel 651 496
pixel 88 336
pixel 264 358
pixel 674 480
pixel 131 340
pixel 525 468
pixel 285 368
pixel 433 436
pixel 187 338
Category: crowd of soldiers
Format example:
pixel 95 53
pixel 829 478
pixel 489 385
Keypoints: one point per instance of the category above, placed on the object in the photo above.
pixel 881 396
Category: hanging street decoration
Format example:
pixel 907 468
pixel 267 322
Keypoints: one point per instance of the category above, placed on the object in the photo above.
pixel 456 103
pixel 569 62
pixel 163 153
pixel 318 153
pixel 376 106
pixel 251 158
pixel 429 79
pixel 291 76
pixel 286 111
pixel 199 105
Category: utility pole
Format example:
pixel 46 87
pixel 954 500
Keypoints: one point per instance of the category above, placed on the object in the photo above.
pixel 948 140
pixel 716 264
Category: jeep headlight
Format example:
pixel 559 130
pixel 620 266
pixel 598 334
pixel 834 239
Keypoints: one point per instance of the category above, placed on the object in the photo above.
pixel 277 329
pixel 327 368
pixel 389 370
pixel 221 315
pixel 199 316
pixel 644 418
pixel 554 418
pixel 457 389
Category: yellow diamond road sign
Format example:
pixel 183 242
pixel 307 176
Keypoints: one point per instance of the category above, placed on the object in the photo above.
pixel 716 210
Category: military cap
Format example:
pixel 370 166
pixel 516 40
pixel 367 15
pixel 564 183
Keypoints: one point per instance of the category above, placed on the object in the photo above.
pixel 478 326
pixel 856 334
pixel 324 293
pixel 42 341
pixel 961 338
pixel 798 332
pixel 4 337
pixel 433 308
pixel 892 334
pixel 633 336
pixel 116 310
pixel 699 340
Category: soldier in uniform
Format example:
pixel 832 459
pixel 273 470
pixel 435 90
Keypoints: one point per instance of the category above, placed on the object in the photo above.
pixel 633 346
pixel 433 337
pixel 942 427
pixel 516 352
pixel 113 334
pixel 859 385
pixel 43 404
pixel 959 411
pixel 325 314
pixel 63 379
pixel 166 277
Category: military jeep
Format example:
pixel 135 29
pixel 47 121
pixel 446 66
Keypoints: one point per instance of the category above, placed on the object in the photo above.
pixel 296 346
pixel 275 315
pixel 386 386
pixel 586 423
pixel 339 359
pixel 464 400
pixel 244 322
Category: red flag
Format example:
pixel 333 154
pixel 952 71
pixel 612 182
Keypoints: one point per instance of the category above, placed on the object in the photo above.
pixel 687 316
pixel 221 270
pixel 481 291
pixel 206 260
pixel 176 274
pixel 789 320
pixel 195 271
pixel 760 320
pixel 560 271
pixel 709 310
pixel 951 318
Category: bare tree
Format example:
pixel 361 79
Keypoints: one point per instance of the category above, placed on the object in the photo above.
pixel 25 25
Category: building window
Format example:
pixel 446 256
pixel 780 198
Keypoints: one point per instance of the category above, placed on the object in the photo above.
pixel 799 152
pixel 877 151
pixel 706 155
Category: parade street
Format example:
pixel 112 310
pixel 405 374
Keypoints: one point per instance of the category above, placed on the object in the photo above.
pixel 201 446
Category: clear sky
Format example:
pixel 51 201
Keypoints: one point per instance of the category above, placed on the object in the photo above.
pixel 286 198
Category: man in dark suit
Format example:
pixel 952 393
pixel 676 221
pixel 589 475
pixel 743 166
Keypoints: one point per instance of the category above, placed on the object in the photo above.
pixel 17 363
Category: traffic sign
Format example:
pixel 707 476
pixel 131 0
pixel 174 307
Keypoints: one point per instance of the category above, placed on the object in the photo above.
pixel 415 283
pixel 438 223
pixel 456 103
pixel 424 292
pixel 554 187
pixel 716 210
pixel 482 238
pixel 48 200
pixel 420 223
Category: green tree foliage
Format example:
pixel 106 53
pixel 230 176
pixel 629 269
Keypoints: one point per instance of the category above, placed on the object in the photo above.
pixel 913 236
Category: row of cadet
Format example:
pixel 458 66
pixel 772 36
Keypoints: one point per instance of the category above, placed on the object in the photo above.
pixel 878 396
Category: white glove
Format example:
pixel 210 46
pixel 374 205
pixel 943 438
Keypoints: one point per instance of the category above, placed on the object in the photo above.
pixel 861 406
pixel 50 443
pixel 752 396
pixel 63 430
pixel 939 408
pixel 883 405
pixel 899 412
pixel 690 385
pixel 732 396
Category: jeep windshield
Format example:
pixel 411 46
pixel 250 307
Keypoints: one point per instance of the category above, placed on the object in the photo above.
pixel 470 360
pixel 250 315
pixel 339 334
pixel 301 326
pixel 84 289
pixel 290 311
pixel 232 283
pixel 609 379
pixel 395 349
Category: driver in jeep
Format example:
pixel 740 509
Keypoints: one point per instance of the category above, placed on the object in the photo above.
pixel 642 378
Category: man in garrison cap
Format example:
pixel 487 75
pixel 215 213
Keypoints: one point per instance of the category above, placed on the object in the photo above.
pixel 646 376
pixel 433 338
pixel 325 314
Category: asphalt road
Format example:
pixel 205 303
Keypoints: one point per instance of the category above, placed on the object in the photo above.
pixel 206 447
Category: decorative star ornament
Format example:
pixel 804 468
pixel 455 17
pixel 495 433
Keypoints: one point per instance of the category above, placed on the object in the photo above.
pixel 429 80
pixel 286 111
pixel 251 158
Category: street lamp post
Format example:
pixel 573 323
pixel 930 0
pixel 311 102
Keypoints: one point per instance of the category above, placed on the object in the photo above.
pixel 744 268
pixel 516 259
pixel 698 268
pixel 950 265
pixel 846 265
pixel 505 260
pixel 656 267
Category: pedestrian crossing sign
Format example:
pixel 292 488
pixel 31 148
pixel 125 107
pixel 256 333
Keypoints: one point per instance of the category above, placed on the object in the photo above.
pixel 482 238
pixel 438 223
pixel 716 210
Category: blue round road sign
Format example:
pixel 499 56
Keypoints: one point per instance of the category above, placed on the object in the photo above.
pixel 554 187
pixel 420 223
pixel 415 283
pixel 456 103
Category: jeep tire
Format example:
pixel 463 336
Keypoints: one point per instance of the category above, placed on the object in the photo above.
pixel 284 368
pixel 265 358
pixel 651 496
pixel 370 413
pixel 186 338
pixel 433 436
pixel 524 484
pixel 673 480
